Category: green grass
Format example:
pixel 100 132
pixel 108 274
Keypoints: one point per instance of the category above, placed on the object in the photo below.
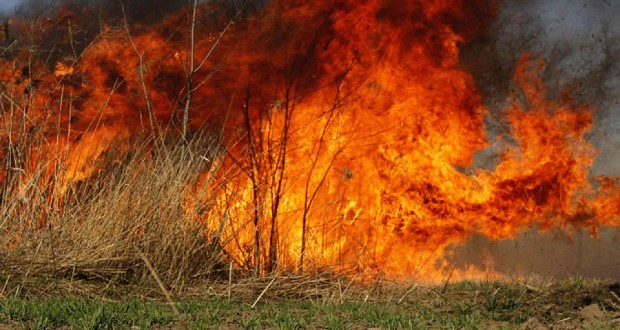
pixel 81 313
pixel 456 306
pixel 284 314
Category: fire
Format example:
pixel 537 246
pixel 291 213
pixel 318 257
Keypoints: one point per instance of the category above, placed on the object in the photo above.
pixel 354 128
pixel 63 69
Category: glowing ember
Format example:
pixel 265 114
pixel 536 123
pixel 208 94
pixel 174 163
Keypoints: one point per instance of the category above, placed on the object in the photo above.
pixel 355 131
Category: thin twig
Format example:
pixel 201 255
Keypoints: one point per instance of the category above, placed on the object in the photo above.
pixel 407 293
pixel 159 282
pixel 6 283
pixel 141 71
pixel 445 286
pixel 230 268
pixel 262 293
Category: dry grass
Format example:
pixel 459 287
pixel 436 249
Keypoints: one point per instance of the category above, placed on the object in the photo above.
pixel 94 202
pixel 115 224
pixel 325 301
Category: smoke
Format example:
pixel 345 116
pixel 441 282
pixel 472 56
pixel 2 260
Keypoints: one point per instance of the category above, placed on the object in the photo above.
pixel 549 255
pixel 8 6
pixel 579 41
pixel 137 10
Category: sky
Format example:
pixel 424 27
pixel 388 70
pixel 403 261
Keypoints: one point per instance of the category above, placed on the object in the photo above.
pixel 8 4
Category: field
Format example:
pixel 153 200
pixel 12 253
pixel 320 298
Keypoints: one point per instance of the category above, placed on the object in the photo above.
pixel 101 262
pixel 86 257
pixel 272 164
pixel 310 303
pixel 92 259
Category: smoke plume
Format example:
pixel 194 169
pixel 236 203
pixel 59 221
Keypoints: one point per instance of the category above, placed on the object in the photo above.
pixel 579 41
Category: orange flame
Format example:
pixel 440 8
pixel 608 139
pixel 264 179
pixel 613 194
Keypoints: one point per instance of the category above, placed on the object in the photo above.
pixel 359 130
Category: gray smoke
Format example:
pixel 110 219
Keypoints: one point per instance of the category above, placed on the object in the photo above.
pixel 548 255
pixel 141 10
pixel 8 6
pixel 580 43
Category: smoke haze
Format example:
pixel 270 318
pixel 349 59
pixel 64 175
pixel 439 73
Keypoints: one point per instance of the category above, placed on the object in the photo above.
pixel 137 10
pixel 579 41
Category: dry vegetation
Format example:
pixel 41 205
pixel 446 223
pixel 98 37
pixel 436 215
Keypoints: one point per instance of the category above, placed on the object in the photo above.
pixel 117 224
pixel 126 233
pixel 325 302
pixel 84 203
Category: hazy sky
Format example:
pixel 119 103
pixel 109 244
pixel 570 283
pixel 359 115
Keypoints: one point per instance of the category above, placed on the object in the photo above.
pixel 8 4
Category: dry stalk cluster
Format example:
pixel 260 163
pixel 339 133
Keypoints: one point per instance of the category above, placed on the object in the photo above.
pixel 127 223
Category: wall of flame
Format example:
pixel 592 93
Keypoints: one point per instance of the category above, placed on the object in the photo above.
pixel 353 126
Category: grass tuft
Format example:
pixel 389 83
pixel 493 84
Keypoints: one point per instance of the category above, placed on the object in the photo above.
pixel 116 224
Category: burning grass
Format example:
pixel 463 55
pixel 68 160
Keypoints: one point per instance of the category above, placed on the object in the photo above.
pixel 116 224
pixel 353 130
